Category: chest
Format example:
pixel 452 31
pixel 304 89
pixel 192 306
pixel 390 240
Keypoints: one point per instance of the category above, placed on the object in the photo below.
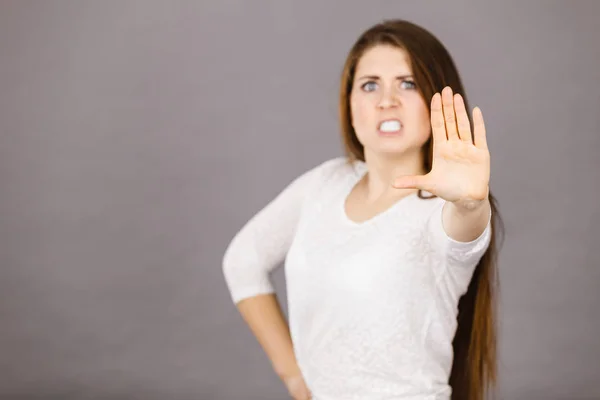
pixel 330 253
pixel 359 210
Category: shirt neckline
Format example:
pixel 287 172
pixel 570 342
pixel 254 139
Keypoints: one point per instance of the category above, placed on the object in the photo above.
pixel 358 172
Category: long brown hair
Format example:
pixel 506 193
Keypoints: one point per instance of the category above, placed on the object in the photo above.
pixel 474 369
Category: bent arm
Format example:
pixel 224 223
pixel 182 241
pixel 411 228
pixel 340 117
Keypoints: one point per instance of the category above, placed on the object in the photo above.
pixel 261 244
pixel 265 319
pixel 255 251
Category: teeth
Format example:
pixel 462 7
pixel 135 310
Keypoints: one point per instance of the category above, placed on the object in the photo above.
pixel 390 126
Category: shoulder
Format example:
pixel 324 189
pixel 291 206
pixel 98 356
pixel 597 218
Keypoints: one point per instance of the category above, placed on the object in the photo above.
pixel 333 164
pixel 332 169
pixel 326 174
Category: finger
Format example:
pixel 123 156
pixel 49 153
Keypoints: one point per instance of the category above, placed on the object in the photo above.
pixel 422 182
pixel 438 128
pixel 479 129
pixel 462 119
pixel 449 116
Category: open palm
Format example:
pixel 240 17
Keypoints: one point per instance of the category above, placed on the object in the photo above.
pixel 461 160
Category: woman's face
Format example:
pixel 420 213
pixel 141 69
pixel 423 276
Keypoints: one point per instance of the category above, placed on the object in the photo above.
pixel 389 115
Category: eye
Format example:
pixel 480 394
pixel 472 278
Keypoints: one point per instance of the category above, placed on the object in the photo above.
pixel 369 86
pixel 408 84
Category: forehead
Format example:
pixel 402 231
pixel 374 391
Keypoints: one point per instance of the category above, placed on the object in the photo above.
pixel 383 60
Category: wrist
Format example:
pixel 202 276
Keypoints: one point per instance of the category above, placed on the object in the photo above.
pixel 467 206
pixel 287 371
pixel 470 205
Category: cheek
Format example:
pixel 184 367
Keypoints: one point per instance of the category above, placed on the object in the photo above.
pixel 422 119
pixel 361 112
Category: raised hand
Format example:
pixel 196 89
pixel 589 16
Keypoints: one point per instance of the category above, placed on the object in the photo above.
pixel 461 162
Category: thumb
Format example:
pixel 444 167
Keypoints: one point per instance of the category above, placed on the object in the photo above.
pixel 422 182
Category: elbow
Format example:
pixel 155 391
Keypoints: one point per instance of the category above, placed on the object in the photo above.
pixel 228 268
pixel 243 276
pixel 231 276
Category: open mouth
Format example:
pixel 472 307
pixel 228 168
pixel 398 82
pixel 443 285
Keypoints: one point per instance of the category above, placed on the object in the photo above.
pixel 390 127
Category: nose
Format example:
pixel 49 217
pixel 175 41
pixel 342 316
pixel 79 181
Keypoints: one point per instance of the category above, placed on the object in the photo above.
pixel 389 98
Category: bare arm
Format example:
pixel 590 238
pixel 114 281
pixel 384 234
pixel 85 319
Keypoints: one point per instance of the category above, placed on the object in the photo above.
pixel 466 222
pixel 460 172
pixel 254 252
pixel 263 315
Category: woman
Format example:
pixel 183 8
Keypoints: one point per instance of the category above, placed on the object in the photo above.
pixel 390 251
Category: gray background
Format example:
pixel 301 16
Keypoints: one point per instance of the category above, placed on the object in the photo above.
pixel 138 136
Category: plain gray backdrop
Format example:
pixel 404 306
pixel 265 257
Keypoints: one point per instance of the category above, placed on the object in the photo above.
pixel 138 136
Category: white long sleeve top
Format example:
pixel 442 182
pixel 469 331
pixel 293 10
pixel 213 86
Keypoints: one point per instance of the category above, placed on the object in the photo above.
pixel 372 306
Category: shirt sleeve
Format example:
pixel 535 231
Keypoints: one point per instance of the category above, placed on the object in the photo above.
pixel 263 242
pixel 455 253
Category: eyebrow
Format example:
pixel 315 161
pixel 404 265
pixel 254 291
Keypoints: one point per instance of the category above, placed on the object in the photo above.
pixel 375 77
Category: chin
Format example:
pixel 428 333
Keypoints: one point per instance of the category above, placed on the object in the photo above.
pixel 388 151
pixel 390 145
pixel 393 145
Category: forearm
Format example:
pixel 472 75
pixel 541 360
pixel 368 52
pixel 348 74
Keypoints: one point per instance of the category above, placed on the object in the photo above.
pixel 466 222
pixel 266 321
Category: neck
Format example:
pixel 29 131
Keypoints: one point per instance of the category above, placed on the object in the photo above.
pixel 382 169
